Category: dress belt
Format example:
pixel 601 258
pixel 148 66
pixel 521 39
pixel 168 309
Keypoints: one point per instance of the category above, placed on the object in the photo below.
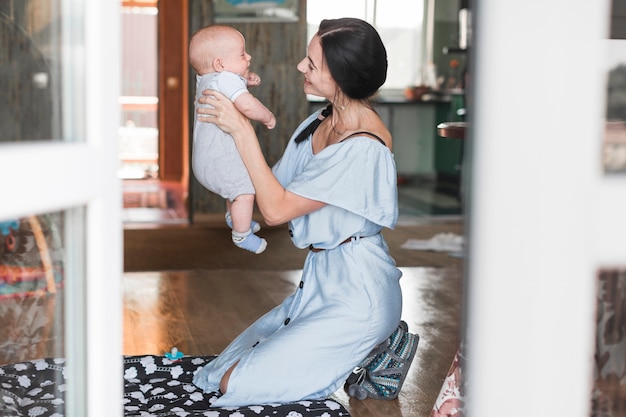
pixel 312 249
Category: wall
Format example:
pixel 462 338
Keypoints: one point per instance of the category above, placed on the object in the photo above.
pixel 276 48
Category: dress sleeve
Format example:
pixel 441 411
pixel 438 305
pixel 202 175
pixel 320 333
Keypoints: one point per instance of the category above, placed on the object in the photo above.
pixel 358 175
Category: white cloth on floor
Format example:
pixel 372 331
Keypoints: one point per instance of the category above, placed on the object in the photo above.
pixel 442 242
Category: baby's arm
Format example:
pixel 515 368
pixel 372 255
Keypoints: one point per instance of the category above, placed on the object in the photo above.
pixel 253 109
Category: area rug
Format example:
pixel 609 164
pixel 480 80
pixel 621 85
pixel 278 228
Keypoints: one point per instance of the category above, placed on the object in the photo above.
pixel 154 386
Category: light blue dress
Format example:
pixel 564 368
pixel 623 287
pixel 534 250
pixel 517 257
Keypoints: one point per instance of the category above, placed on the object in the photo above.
pixel 349 299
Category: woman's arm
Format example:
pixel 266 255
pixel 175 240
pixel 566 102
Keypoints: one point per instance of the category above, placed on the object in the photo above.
pixel 276 204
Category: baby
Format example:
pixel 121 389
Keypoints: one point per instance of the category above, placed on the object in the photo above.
pixel 218 55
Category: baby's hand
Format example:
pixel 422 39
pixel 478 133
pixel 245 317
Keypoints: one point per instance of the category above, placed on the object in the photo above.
pixel 253 79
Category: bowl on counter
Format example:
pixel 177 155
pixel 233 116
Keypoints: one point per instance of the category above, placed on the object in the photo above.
pixel 416 92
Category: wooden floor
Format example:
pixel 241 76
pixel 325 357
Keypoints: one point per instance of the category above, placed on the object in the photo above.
pixel 200 311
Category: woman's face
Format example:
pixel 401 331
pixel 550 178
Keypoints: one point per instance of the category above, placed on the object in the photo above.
pixel 317 78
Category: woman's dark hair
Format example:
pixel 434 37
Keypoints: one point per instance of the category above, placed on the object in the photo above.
pixel 356 58
pixel 355 55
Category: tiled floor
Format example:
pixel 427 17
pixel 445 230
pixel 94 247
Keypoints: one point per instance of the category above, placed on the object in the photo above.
pixel 427 198
pixel 153 201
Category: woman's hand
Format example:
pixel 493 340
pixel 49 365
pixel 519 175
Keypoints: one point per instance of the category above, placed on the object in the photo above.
pixel 223 113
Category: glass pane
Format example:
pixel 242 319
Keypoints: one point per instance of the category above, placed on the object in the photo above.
pixel 32 71
pixel 35 335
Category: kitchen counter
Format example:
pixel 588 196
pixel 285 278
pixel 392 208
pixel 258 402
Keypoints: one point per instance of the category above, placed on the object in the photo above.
pixel 398 97
pixel 413 125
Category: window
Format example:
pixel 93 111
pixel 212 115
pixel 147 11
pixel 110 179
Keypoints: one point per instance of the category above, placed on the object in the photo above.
pixel 139 132
pixel 60 220
pixel 400 24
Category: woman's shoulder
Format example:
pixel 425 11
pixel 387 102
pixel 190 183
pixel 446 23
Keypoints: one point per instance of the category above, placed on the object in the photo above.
pixel 375 130
pixel 384 138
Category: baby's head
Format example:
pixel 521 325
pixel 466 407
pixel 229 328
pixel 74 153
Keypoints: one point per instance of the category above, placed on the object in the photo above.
pixel 218 48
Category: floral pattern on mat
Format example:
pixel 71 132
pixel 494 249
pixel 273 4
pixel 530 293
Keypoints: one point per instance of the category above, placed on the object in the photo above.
pixel 31 255
pixel 451 399
pixel 34 388
pixel 154 386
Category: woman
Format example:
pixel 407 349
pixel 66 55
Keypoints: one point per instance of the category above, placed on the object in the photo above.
pixel 336 186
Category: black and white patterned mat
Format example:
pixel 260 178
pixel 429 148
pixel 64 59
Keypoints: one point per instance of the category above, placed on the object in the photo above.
pixel 154 386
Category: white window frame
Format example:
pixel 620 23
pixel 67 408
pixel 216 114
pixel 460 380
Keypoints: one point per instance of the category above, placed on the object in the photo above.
pixel 543 218
pixel 81 172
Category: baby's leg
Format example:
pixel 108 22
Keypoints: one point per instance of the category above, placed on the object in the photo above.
pixel 255 226
pixel 241 209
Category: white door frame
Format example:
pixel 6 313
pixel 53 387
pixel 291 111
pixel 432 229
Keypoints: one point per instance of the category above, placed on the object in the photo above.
pixel 80 170
pixel 542 216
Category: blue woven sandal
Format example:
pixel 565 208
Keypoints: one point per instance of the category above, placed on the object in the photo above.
pixel 382 373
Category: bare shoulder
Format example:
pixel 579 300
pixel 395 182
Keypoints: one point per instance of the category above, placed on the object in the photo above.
pixel 376 126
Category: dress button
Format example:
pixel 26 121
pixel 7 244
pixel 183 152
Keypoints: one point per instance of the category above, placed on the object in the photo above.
pixel 301 284
pixel 290 233
pixel 287 320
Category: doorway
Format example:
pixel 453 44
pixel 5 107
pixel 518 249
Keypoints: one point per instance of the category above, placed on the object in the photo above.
pixel 153 103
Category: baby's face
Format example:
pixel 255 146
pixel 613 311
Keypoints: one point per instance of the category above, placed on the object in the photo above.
pixel 235 58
